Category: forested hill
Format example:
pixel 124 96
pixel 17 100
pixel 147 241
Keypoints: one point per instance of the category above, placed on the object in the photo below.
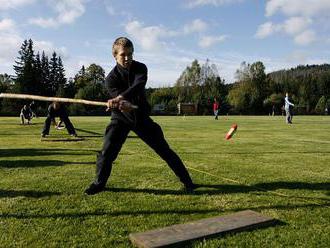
pixel 308 84
pixel 301 71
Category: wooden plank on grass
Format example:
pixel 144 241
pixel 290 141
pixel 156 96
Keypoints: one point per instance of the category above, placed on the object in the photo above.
pixel 209 227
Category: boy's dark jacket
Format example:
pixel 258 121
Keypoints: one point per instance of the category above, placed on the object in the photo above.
pixel 60 112
pixel 131 85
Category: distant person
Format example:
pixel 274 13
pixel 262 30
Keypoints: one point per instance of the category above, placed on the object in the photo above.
pixel 57 110
pixel 126 86
pixel 215 108
pixel 25 114
pixel 326 111
pixel 32 108
pixel 288 109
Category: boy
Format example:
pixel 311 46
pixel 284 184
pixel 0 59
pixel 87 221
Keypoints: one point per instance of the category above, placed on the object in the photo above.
pixel 25 114
pixel 126 84
pixel 57 110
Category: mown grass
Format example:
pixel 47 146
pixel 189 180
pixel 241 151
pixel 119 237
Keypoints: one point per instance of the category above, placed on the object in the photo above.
pixel 276 169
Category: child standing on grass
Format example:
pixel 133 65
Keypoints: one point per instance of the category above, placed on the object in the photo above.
pixel 126 84
pixel 288 109
pixel 215 108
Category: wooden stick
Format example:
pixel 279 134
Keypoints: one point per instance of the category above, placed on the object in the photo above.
pixel 54 99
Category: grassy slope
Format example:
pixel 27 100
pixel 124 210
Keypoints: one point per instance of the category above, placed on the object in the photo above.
pixel 41 199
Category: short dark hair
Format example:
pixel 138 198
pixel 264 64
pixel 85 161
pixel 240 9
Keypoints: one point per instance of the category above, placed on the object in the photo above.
pixel 56 105
pixel 121 42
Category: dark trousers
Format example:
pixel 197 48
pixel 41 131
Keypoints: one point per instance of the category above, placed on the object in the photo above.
pixel 65 119
pixel 151 133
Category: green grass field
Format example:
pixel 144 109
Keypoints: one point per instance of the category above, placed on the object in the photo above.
pixel 282 171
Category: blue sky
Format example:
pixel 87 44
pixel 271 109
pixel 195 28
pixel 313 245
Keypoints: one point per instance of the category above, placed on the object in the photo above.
pixel 169 34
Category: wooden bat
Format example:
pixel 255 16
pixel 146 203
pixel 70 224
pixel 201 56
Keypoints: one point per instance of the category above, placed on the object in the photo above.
pixel 56 99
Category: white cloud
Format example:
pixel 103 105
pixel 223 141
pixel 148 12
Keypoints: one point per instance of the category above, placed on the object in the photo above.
pixel 196 25
pixel 197 3
pixel 148 37
pixel 9 46
pixel 11 4
pixel 305 38
pixel 310 8
pixel 110 9
pixel 266 29
pixel 208 41
pixel 113 11
pixel 48 47
pixel 296 25
pixel 303 23
pixel 6 25
pixel 67 12
pixel 292 26
pixel 10 42
pixel 44 23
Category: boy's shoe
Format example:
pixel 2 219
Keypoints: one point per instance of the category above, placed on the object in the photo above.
pixel 74 135
pixel 94 189
pixel 43 135
pixel 189 188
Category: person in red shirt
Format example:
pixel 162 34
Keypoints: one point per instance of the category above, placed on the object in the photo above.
pixel 215 108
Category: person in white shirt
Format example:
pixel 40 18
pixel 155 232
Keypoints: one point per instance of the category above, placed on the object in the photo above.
pixel 288 109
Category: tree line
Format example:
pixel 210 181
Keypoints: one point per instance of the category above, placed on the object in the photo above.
pixel 253 92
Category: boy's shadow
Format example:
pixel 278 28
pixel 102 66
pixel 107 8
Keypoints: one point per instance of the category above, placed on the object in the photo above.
pixel 26 193
pixel 216 189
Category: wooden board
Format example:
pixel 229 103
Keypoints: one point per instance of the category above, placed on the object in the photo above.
pixel 210 227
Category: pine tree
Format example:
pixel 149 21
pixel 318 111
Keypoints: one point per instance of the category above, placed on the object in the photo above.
pixel 38 74
pixel 53 74
pixel 45 74
pixel 61 80
pixel 25 69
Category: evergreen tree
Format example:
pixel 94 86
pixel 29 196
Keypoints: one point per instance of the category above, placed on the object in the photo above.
pixel 26 75
pixel 53 74
pixel 38 74
pixel 45 75
pixel 61 80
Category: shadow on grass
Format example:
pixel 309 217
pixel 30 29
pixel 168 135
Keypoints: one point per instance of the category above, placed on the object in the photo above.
pixel 36 163
pixel 147 212
pixel 252 153
pixel 62 139
pixel 91 133
pixel 19 125
pixel 132 137
pixel 26 193
pixel 268 188
pixel 262 188
pixel 31 124
pixel 233 188
pixel 32 152
pixel 109 213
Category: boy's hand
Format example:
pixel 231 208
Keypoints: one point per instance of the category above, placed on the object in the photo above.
pixel 125 106
pixel 114 102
